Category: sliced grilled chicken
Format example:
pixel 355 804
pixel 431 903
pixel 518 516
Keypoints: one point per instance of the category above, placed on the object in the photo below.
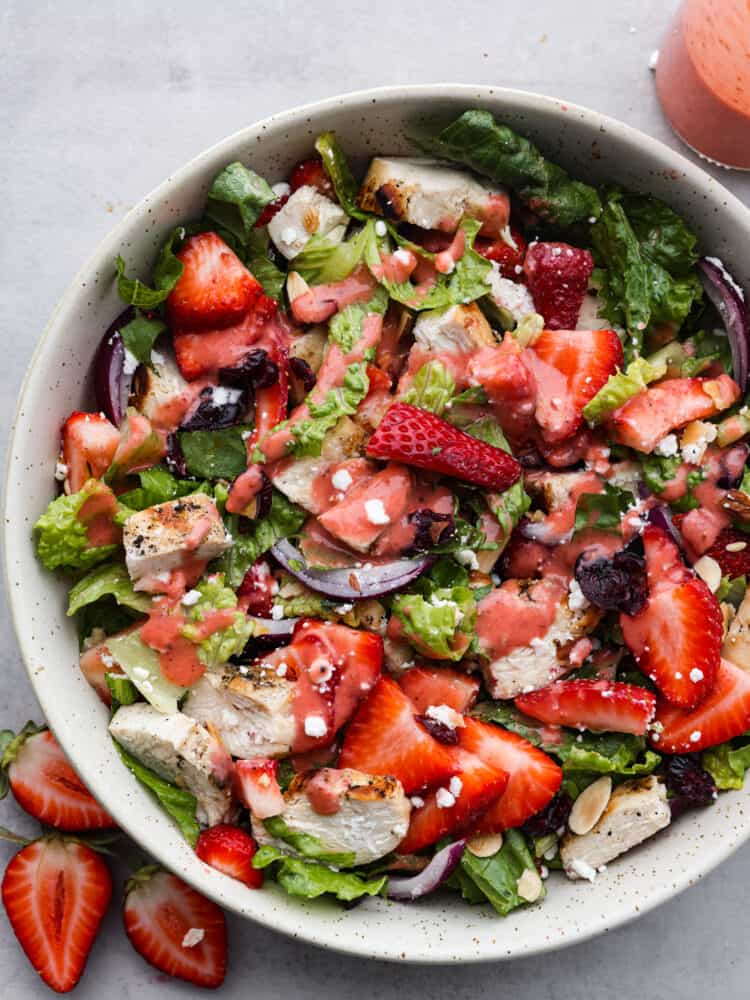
pixel 162 394
pixel 636 811
pixel 179 750
pixel 307 213
pixel 455 329
pixel 510 295
pixel 347 811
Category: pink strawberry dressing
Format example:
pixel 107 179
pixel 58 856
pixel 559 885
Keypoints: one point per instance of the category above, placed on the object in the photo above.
pixel 507 621
pixel 320 302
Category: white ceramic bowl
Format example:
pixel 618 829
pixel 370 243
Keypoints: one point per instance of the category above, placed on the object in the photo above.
pixel 441 929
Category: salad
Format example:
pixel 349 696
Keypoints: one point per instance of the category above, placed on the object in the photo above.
pixel 408 536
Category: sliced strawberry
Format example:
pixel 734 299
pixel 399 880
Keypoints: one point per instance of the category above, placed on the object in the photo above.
pixel 731 550
pixel 645 419
pixel 385 738
pixel 508 257
pixel 175 928
pixel 56 893
pixel 215 288
pixel 89 443
pixel 558 276
pixel 722 715
pixel 415 437
pixel 312 173
pixel 439 686
pixel 203 353
pixel 257 786
pixel 47 787
pixel 600 705
pixel 452 808
pixel 533 780
pixel 255 593
pixel 570 367
pixel 676 640
pixel 230 850
pixel 350 520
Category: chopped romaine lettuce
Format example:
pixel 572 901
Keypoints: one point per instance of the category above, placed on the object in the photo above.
pixel 258 261
pixel 306 845
pixel 283 520
pixel 178 803
pixel 214 454
pixel 141 664
pixel 728 762
pixel 441 625
pixel 496 879
pixel 602 510
pixel 236 199
pixel 322 262
pixel 621 387
pixel 139 334
pixel 225 642
pixel 345 328
pixel 62 538
pixel 122 691
pixel 167 272
pixel 158 485
pixel 432 389
pixel 732 590
pixel 111 579
pixel 308 879
pixel 308 434
pixel 585 756
pixel 336 166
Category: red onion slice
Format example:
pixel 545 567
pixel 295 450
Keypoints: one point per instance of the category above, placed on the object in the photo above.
pixel 439 869
pixel 350 584
pixel 729 300
pixel 111 381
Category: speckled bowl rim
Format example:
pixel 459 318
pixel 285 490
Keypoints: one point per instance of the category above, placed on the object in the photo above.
pixel 288 915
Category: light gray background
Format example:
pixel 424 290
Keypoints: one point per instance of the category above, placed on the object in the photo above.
pixel 100 101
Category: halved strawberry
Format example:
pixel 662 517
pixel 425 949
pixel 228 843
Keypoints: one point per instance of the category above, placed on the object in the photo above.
pixel 203 353
pixel 570 367
pixel 230 850
pixel 676 639
pixel 533 780
pixel 645 419
pixel 89 443
pixel 439 686
pixel 175 928
pixel 415 437
pixel 452 808
pixel 509 258
pixel 47 787
pixel 722 715
pixel 731 550
pixel 56 893
pixel 257 786
pixel 385 738
pixel 215 288
pixel 600 705
pixel 255 593
pixel 312 173
pixel 558 275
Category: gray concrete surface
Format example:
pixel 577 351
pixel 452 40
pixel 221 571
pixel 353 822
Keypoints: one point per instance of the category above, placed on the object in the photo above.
pixel 99 102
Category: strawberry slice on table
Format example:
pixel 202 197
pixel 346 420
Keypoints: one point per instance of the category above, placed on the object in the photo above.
pixel 645 419
pixel 415 437
pixel 558 275
pixel 427 686
pixel 731 550
pixel 257 786
pixel 452 808
pixel 56 893
pixel 89 443
pixel 47 787
pixel 722 715
pixel 676 640
pixel 508 257
pixel 600 705
pixel 175 928
pixel 384 737
pixel 230 850
pixel 215 288
pixel 533 777
pixel 570 367
pixel 312 173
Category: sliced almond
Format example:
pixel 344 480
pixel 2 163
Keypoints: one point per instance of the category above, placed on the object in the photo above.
pixel 709 571
pixel 589 806
pixel 484 845
pixel 736 547
pixel 529 885
pixel 296 285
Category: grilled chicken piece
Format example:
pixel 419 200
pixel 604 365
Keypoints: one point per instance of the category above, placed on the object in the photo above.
pixel 347 811
pixel 456 329
pixel 162 394
pixel 736 647
pixel 251 708
pixel 636 811
pixel 307 213
pixel 163 538
pixel 311 347
pixel 431 195
pixel 510 670
pixel 181 751
pixel 510 295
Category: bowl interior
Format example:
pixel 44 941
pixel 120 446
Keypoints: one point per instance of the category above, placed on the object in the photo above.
pixel 439 929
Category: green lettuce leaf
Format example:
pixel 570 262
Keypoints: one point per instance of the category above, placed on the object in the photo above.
pixel 308 434
pixel 167 272
pixel 440 625
pixel 226 642
pixel 307 846
pixel 141 664
pixel 62 540
pixel 214 454
pixel 505 714
pixel 496 151
pixel 158 485
pixel 109 580
pixel 496 877
pixel 283 520
pixel 236 199
pixel 122 691
pixel 621 387
pixel 607 507
pixel 262 265
pixel 105 615
pixel 345 328
pixel 585 756
pixel 728 762
pixel 732 590
pixel 322 262
pixel 179 804
pixel 308 880
pixel 432 389
pixel 138 336
pixel 337 167
pixel 659 470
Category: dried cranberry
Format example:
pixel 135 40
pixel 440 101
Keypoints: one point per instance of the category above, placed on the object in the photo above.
pixel 551 818
pixel 438 730
pixel 432 528
pixel 614 584
pixel 256 371
pixel 689 785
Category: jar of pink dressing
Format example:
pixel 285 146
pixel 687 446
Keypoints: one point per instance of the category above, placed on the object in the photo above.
pixel 703 79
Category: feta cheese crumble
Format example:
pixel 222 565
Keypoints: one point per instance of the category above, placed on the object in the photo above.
pixel 444 799
pixel 192 597
pixel 466 558
pixel 375 512
pixel 341 480
pixel 315 726
pixel 61 471
pixel 576 598
pixel 667 447
pixel 380 228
